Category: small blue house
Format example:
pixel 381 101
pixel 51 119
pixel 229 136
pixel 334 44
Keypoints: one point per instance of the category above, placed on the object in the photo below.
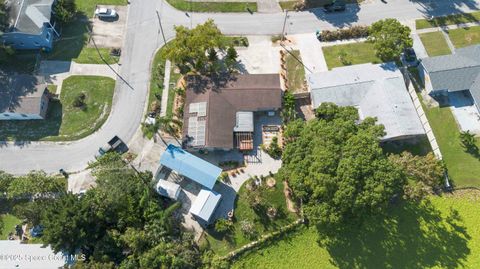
pixel 29 25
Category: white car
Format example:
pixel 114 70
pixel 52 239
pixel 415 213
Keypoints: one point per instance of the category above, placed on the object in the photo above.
pixel 105 13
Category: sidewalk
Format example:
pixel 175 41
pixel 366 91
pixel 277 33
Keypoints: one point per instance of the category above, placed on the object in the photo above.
pixel 57 71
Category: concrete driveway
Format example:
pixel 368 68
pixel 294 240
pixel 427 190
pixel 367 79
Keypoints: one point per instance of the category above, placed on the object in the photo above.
pixel 465 112
pixel 260 57
pixel 109 33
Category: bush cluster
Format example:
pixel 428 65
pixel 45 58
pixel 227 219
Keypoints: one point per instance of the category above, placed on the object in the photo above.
pixel 357 31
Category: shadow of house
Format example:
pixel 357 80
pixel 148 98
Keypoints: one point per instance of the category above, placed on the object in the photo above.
pixel 23 97
pixel 410 236
pixel 30 25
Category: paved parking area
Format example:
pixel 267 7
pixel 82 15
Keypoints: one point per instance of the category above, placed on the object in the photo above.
pixel 465 111
pixel 109 33
pixel 260 57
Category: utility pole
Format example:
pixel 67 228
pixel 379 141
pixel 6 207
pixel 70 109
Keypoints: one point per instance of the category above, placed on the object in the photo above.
pixel 284 24
pixel 161 28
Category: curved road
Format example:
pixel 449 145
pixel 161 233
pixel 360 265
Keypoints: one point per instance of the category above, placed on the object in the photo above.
pixel 144 37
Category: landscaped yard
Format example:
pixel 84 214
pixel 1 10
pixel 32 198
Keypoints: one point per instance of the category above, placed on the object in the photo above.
pixel 440 234
pixel 463 168
pixel 463 37
pixel 435 44
pixel 350 54
pixel 448 20
pixel 65 122
pixel 9 222
pixel 243 211
pixel 295 71
pixel 186 5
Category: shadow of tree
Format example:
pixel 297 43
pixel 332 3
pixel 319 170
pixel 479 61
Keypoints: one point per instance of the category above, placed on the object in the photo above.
pixel 432 9
pixel 338 19
pixel 411 236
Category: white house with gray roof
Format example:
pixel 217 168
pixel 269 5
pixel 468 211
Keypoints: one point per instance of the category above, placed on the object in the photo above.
pixel 29 25
pixel 376 90
pixel 453 73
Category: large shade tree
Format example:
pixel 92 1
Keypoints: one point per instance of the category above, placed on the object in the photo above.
pixel 335 165
pixel 389 38
pixel 194 49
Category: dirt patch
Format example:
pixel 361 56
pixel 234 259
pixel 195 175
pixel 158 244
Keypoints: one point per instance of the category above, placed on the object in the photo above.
pixel 472 194
pixel 291 206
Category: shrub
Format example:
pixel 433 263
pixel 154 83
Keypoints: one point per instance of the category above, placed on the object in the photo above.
pixel 345 33
pixel 64 10
pixel 79 101
pixel 276 38
pixel 223 225
pixel 223 177
pixel 273 149
pixel 248 229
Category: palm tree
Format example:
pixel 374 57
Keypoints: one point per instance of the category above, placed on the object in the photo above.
pixel 169 125
pixel 468 139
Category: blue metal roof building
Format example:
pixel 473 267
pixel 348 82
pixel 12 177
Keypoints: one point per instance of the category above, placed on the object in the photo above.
pixel 188 165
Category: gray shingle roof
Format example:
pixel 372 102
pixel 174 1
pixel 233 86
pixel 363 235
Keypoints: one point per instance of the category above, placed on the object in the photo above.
pixel 456 72
pixel 376 90
pixel 21 94
pixel 29 16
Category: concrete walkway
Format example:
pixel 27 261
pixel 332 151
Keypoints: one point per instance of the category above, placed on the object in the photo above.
pixel 166 87
pixel 56 71
pixel 449 41
pixel 311 53
pixel 268 6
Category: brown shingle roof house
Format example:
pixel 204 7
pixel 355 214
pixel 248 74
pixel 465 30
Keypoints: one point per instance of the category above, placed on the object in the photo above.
pixel 216 112
pixel 23 97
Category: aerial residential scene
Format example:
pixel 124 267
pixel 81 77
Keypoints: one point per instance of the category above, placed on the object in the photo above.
pixel 215 134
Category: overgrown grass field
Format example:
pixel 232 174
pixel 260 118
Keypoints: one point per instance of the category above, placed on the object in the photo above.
pixel 440 233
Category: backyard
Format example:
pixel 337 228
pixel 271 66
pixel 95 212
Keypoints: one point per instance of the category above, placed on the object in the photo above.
pixel 221 244
pixel 463 37
pixel 463 168
pixel 64 121
pixel 350 54
pixel 295 71
pixel 435 44
pixel 439 233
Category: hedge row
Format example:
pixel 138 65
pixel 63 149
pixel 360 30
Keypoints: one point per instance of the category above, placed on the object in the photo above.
pixel 345 33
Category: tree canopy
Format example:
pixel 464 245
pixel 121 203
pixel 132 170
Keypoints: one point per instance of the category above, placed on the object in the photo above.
pixel 121 221
pixel 65 10
pixel 337 168
pixel 196 49
pixel 389 38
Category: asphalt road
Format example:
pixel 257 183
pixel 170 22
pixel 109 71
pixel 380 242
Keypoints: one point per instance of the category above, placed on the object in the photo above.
pixel 144 37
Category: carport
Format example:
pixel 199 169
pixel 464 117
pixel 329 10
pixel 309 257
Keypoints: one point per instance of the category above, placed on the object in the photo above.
pixel 190 166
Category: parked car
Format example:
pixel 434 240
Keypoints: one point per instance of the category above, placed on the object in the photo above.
pixel 115 144
pixel 335 6
pixel 105 13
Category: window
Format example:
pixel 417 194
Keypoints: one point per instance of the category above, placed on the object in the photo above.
pixel 23 115
pixel 48 36
pixel 36 43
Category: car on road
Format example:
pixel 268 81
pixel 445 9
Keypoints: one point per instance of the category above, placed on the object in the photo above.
pixel 115 144
pixel 335 6
pixel 105 13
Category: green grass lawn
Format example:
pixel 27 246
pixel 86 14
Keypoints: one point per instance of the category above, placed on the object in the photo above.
pixel 288 5
pixel 64 122
pixel 213 6
pixel 440 233
pixel 448 20
pixel 354 53
pixel 464 37
pixel 463 168
pixel 9 222
pixel 435 44
pixel 223 244
pixel 295 71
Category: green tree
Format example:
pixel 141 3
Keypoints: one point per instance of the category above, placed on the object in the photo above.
pixel 190 47
pixel 34 183
pixel 337 168
pixel 288 111
pixel 424 173
pixel 389 38
pixel 223 225
pixel 64 10
pixel 231 58
pixel 468 140
pixel 274 149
